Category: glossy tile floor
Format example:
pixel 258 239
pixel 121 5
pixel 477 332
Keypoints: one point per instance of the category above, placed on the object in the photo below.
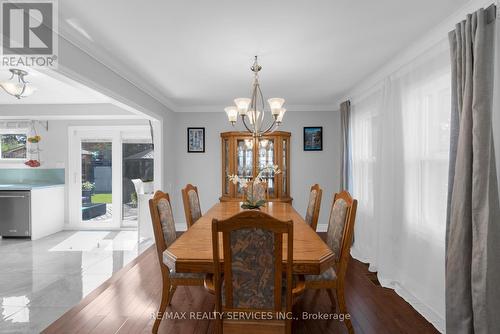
pixel 40 280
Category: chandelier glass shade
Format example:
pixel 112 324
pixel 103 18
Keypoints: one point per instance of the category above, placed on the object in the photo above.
pixel 17 86
pixel 253 110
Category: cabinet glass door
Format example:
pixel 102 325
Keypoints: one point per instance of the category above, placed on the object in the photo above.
pixel 244 160
pixel 266 158
pixel 226 166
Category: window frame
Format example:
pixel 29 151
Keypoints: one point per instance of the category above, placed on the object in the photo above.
pixel 14 131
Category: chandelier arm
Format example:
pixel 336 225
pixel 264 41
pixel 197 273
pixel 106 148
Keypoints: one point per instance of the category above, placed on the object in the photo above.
pixel 263 108
pixel 254 105
pixel 271 128
pixel 245 123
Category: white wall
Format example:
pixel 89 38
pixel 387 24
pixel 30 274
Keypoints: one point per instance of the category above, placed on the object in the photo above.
pixel 307 168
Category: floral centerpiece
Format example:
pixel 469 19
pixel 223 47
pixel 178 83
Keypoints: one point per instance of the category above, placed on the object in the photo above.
pixel 251 202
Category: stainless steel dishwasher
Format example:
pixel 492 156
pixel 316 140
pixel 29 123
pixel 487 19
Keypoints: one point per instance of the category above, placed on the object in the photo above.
pixel 15 215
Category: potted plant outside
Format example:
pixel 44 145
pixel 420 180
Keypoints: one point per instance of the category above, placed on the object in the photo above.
pixel 87 191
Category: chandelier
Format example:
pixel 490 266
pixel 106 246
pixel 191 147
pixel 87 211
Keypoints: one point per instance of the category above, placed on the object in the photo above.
pixel 16 85
pixel 252 110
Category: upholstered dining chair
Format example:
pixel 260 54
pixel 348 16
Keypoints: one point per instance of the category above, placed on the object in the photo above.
pixel 253 271
pixel 165 235
pixel 313 206
pixel 191 201
pixel 339 239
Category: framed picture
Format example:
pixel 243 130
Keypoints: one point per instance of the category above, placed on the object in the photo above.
pixel 313 138
pixel 196 140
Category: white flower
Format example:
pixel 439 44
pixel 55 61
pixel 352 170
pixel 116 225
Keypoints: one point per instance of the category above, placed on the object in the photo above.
pixel 234 178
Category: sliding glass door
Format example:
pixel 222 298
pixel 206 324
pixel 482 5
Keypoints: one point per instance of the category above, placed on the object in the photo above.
pixel 97 186
pixel 107 170
pixel 137 168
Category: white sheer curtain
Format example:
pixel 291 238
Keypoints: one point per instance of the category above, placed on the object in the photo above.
pixel 400 144
pixel 496 96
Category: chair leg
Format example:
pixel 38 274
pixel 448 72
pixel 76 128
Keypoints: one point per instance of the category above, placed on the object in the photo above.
pixel 288 326
pixel 171 294
pixel 332 299
pixel 218 326
pixel 165 301
pixel 343 308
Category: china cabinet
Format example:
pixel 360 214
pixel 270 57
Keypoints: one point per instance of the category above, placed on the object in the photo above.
pixel 246 156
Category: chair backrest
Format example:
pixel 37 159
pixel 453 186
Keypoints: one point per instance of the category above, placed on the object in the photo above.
pixel 341 229
pixel 163 224
pixel 313 206
pixel 258 190
pixel 191 202
pixel 253 255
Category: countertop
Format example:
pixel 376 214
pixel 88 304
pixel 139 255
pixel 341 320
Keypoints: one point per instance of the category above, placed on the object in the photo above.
pixel 29 186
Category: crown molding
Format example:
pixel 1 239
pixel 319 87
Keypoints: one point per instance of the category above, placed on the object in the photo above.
pixel 66 112
pixel 292 108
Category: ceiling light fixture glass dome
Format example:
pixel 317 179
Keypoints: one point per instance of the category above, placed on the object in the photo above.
pixel 17 86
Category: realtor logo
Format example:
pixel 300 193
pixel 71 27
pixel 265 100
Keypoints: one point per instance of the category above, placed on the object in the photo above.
pixel 28 33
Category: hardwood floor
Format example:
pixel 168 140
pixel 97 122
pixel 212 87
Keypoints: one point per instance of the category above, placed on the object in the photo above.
pixel 127 302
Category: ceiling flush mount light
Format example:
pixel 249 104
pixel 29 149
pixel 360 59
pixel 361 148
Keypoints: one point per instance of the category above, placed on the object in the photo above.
pixel 17 86
pixel 252 110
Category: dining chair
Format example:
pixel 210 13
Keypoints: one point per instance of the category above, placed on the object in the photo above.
pixel 165 234
pixel 252 278
pixel 259 191
pixel 339 239
pixel 313 206
pixel 191 202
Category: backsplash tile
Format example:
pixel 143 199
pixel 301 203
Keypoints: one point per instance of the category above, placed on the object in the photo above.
pixel 55 175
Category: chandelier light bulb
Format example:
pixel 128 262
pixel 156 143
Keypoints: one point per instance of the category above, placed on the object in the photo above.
pixel 242 104
pixel 275 104
pixel 251 114
pixel 282 112
pixel 232 114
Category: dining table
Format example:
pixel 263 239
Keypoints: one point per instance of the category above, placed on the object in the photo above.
pixel 192 251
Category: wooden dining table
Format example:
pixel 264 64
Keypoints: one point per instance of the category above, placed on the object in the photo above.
pixel 192 251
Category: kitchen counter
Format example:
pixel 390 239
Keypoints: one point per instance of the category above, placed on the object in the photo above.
pixel 32 210
pixel 29 186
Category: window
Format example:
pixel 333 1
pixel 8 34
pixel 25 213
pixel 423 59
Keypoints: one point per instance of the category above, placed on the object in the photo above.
pixel 13 145
pixel 426 118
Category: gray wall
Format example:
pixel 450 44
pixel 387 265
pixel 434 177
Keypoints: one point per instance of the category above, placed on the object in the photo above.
pixel 307 168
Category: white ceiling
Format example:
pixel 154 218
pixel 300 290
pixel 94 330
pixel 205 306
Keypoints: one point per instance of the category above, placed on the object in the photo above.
pixel 51 90
pixel 198 53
